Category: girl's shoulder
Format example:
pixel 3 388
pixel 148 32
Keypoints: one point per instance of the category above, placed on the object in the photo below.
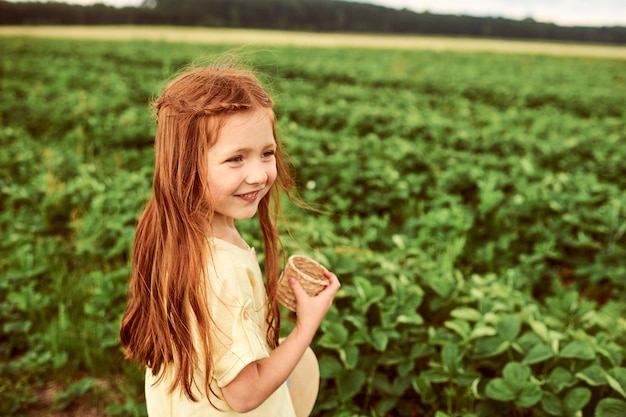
pixel 228 259
pixel 233 272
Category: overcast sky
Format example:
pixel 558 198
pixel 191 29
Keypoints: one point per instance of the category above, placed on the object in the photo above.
pixel 562 12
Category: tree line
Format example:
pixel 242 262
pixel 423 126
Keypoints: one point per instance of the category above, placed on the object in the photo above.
pixel 308 15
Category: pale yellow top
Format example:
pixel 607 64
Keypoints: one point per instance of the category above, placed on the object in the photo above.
pixel 237 301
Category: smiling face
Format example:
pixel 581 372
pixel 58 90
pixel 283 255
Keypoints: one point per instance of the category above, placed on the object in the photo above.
pixel 242 167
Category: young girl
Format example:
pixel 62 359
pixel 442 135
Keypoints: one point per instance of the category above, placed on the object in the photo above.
pixel 199 317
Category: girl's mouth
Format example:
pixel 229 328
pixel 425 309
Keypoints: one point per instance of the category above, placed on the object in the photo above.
pixel 249 197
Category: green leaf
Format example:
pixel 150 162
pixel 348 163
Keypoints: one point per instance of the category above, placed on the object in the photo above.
pixel 450 358
pixel 466 313
pixel 487 347
pixel 421 350
pixel 385 405
pixel 23 326
pixel 616 378
pixel 499 390
pixel 349 383
pixel 329 367
pixel 412 318
pixel 349 355
pixel 460 327
pixel 482 330
pixel 400 385
pixel 538 353
pixel 335 335
pixel 59 359
pixel 576 399
pixel 528 340
pixel 610 407
pixel 399 242
pixel 406 368
pixel 444 286
pixel 509 327
pixel 530 395
pixel 593 375
pixel 368 291
pixel 392 357
pixel 561 378
pixel 381 383
pixel 551 404
pixel 423 387
pixel 516 374
pixel 436 376
pixel 466 378
pixel 380 338
pixel 540 330
pixel 578 350
pixel 611 351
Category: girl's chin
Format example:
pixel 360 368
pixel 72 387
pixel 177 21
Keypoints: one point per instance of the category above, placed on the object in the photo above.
pixel 245 215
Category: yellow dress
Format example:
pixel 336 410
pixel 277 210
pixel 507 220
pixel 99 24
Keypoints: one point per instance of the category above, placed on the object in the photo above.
pixel 237 302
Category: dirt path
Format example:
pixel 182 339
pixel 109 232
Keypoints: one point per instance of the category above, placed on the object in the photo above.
pixel 259 37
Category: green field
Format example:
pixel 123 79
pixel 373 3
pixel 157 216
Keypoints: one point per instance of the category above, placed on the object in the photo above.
pixel 475 212
pixel 198 35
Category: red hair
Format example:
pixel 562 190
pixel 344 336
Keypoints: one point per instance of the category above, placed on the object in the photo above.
pixel 170 252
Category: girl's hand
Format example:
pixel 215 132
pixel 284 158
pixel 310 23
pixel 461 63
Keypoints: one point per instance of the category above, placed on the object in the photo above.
pixel 310 311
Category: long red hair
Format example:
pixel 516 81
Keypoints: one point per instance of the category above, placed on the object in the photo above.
pixel 170 253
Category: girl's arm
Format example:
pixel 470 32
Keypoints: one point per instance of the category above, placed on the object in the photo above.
pixel 258 380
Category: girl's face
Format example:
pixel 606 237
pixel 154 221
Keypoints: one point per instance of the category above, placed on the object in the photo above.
pixel 242 166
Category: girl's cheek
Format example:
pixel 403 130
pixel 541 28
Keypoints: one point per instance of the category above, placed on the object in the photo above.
pixel 271 177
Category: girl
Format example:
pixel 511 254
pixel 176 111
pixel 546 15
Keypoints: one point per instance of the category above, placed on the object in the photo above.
pixel 199 317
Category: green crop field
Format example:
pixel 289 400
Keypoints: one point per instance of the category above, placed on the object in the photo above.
pixel 199 35
pixel 474 208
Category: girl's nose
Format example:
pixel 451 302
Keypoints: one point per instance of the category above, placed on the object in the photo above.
pixel 257 174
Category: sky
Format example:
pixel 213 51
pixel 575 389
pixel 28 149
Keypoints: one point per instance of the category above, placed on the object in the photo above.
pixel 561 12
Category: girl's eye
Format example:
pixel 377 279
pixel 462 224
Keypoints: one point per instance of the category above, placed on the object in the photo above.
pixel 237 158
pixel 269 154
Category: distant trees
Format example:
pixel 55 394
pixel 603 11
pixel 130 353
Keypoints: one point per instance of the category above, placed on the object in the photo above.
pixel 310 15
pixel 51 13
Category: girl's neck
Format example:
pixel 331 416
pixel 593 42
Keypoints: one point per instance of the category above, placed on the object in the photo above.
pixel 230 235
